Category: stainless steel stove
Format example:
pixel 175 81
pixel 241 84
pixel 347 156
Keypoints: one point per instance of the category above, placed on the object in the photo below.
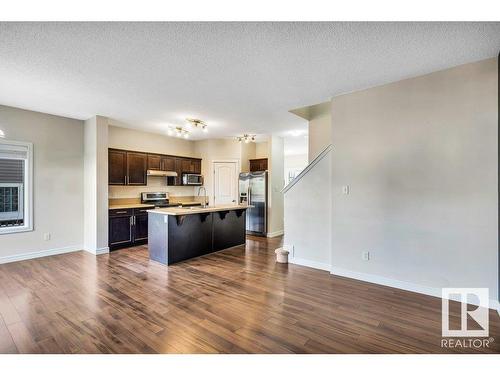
pixel 159 199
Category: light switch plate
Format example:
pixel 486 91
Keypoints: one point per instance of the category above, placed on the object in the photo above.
pixel 345 189
pixel 365 255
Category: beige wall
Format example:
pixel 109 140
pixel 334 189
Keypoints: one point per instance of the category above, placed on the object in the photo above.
pixel 247 153
pixel 215 149
pixel 58 181
pixel 261 150
pixel 420 157
pixel 95 195
pixel 320 130
pixel 149 142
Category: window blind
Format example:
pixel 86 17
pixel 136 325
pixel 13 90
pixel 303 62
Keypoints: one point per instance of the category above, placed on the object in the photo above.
pixel 11 171
pixel 13 151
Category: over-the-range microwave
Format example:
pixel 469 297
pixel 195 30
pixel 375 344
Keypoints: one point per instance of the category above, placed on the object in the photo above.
pixel 192 179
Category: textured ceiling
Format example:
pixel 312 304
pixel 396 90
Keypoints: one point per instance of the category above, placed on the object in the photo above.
pixel 238 77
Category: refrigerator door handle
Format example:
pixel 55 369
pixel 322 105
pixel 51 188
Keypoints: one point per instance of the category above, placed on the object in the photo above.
pixel 249 196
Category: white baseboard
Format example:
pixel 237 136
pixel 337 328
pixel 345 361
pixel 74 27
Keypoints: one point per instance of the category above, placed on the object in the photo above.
pixel 275 234
pixel 398 284
pixel 39 254
pixel 310 263
pixel 102 250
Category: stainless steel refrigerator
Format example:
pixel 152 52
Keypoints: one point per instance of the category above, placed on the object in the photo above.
pixel 253 190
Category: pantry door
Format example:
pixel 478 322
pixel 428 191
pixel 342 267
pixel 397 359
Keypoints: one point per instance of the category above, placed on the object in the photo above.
pixel 225 182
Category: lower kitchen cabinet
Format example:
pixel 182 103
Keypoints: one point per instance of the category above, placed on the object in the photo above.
pixel 120 231
pixel 128 228
pixel 141 228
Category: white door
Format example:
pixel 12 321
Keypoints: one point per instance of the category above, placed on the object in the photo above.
pixel 225 182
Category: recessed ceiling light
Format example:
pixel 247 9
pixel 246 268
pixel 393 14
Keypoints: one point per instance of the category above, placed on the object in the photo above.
pixel 297 133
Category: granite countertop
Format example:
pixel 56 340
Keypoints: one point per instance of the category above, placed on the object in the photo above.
pixel 177 211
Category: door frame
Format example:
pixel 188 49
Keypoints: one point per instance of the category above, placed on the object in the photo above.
pixel 238 171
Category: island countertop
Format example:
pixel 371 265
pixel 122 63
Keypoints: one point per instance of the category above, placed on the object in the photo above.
pixel 177 211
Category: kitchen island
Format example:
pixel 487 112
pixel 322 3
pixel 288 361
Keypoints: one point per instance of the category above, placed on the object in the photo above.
pixel 177 234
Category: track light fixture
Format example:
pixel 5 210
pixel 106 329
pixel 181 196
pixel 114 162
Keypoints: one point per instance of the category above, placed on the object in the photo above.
pixel 247 138
pixel 178 132
pixel 198 124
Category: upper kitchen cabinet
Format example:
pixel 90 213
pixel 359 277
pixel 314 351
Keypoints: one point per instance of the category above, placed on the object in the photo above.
pixel 184 165
pixel 117 167
pixel 154 162
pixel 187 166
pixel 127 168
pixel 131 167
pixel 167 163
pixel 196 166
pixel 258 165
pixel 137 168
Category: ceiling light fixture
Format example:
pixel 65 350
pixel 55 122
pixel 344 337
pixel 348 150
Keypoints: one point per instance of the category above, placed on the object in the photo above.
pixel 247 138
pixel 198 124
pixel 2 134
pixel 178 132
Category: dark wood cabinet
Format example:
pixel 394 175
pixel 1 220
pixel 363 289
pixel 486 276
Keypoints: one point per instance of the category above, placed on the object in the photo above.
pixel 128 227
pixel 167 163
pixel 184 165
pixel 117 173
pixel 196 166
pixel 131 167
pixel 137 168
pixel 140 228
pixel 127 168
pixel 120 231
pixel 258 165
pixel 155 162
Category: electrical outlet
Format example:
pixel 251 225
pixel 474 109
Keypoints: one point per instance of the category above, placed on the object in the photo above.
pixel 365 255
pixel 345 189
pixel 46 236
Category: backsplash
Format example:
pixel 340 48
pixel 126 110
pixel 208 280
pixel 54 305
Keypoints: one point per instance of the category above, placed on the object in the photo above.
pixel 154 184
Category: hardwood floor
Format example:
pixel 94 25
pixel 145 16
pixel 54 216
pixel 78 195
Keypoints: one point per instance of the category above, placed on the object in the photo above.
pixel 234 301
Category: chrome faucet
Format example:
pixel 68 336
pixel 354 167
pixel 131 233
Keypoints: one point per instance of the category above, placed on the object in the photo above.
pixel 205 203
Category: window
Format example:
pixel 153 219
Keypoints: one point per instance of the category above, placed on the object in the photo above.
pixel 16 204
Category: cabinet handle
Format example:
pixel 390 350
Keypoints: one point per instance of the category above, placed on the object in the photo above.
pixel 120 212
pixel 124 180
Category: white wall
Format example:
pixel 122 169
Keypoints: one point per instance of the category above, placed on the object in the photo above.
pixel 294 163
pixel 95 188
pixel 58 182
pixel 276 183
pixel 307 212
pixel 420 157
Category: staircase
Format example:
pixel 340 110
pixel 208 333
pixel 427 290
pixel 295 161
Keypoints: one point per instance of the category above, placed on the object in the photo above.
pixel 307 214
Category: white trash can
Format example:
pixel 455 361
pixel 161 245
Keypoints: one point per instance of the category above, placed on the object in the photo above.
pixel 281 255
